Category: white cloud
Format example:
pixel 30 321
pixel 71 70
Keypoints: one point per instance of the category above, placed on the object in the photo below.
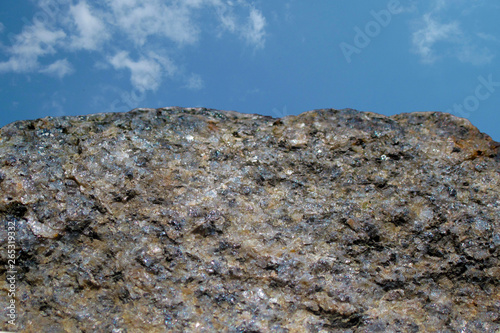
pixel 147 72
pixel 409 7
pixel 59 68
pixel 2 27
pixel 33 42
pixel 254 32
pixel 439 5
pixel 140 20
pixel 92 31
pixel 156 30
pixel 470 53
pixel 431 33
pixel 194 82
pixel 146 22
pixel 433 39
pixel 227 19
pixel 487 37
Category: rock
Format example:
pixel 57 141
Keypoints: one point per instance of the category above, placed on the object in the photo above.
pixel 198 220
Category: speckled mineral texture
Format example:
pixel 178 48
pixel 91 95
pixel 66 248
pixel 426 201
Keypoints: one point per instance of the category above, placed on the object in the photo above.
pixel 197 220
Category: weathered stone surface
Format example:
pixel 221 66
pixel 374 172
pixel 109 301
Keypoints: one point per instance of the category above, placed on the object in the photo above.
pixel 196 220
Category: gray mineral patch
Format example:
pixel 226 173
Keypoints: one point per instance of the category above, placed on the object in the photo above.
pixel 198 220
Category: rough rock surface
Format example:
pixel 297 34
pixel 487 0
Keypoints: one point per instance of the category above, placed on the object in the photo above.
pixel 198 220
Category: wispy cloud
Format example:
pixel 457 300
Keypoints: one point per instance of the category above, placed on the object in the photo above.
pixel 59 68
pixel 33 42
pixel 431 33
pixel 2 27
pixel 140 20
pixel 254 31
pixel 146 72
pixel 487 37
pixel 89 31
pixel 471 53
pixel 227 19
pixel 434 37
pixel 194 82
pixel 148 29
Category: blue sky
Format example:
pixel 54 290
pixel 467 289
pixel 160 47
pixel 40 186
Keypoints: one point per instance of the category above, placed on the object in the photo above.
pixel 73 57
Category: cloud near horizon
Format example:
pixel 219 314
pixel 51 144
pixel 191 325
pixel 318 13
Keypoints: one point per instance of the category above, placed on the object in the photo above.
pixel 110 28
